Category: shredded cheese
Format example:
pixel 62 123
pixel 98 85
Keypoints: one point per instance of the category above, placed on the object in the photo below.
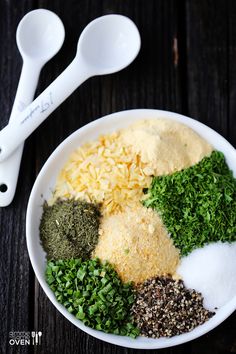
pixel 104 171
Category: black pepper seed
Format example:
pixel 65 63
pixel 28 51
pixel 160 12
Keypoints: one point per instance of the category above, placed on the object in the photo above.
pixel 164 308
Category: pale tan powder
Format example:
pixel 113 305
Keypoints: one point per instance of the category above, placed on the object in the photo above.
pixel 165 146
pixel 137 244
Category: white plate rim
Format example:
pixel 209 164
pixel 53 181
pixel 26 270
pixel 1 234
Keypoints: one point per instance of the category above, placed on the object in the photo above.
pixel 139 343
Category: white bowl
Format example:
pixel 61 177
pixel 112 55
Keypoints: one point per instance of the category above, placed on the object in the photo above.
pixel 44 186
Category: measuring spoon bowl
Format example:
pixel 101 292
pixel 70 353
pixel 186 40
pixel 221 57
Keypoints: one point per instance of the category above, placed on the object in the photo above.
pixel 107 45
pixel 40 35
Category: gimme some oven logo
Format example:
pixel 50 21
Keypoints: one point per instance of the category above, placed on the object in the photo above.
pixel 25 338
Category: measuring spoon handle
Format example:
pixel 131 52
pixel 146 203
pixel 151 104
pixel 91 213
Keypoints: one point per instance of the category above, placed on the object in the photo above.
pixel 15 133
pixel 9 168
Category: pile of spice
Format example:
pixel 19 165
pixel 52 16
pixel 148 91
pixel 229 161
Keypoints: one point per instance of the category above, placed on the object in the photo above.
pixel 93 292
pixel 137 244
pixel 211 271
pixel 198 204
pixel 104 171
pixel 164 308
pixel 164 145
pixel 69 229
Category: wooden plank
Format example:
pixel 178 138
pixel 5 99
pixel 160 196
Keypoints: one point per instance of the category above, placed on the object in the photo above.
pixel 151 81
pixel 232 71
pixel 229 339
pixel 211 87
pixel 16 276
pixel 206 27
pixel 157 79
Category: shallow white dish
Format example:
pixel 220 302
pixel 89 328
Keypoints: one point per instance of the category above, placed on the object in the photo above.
pixel 45 184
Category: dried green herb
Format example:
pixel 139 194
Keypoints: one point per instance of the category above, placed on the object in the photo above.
pixel 198 204
pixel 93 292
pixel 69 229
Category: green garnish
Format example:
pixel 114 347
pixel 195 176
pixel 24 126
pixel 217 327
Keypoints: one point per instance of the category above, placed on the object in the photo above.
pixel 93 292
pixel 69 229
pixel 198 204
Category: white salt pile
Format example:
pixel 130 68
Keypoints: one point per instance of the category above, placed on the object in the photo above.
pixel 211 270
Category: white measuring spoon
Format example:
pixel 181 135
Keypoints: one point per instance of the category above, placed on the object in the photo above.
pixel 40 35
pixel 107 45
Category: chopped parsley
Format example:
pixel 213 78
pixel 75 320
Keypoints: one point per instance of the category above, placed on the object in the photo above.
pixel 197 204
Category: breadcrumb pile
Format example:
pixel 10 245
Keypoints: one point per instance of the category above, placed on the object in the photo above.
pixel 137 244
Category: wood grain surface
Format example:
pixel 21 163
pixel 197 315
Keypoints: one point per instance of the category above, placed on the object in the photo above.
pixel 187 64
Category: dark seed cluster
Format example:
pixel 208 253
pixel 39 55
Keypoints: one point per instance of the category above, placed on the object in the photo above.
pixel 164 307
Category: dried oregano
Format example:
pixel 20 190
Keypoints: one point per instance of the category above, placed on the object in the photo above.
pixel 69 229
pixel 197 204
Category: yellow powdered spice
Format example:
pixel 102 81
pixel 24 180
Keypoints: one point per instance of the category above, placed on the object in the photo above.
pixel 164 145
pixel 137 244
pixel 104 171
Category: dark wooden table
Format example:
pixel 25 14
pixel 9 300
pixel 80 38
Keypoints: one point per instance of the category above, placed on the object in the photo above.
pixel 187 64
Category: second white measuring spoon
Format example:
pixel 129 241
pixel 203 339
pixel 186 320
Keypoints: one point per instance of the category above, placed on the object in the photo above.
pixel 107 45
pixel 40 34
